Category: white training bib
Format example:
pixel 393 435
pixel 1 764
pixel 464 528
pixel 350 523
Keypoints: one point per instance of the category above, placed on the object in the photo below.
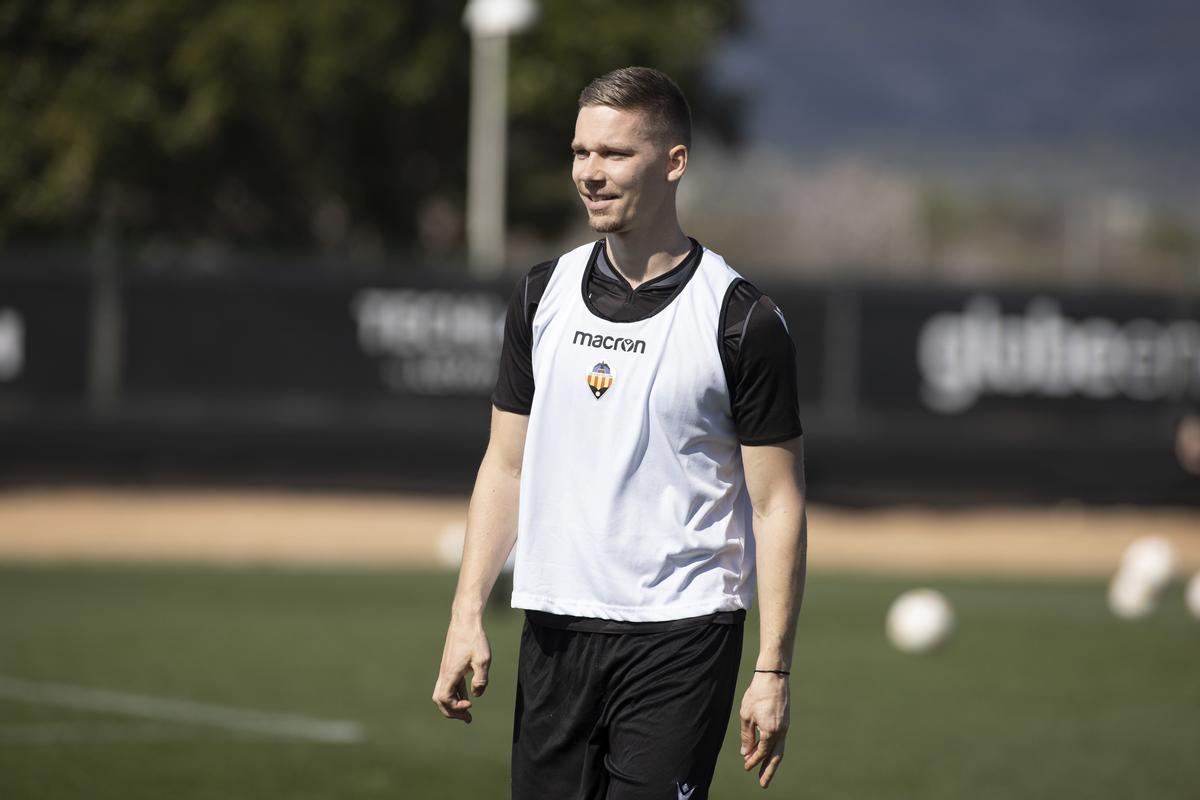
pixel 633 500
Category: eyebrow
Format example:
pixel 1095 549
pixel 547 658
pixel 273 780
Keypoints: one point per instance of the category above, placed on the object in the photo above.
pixel 619 149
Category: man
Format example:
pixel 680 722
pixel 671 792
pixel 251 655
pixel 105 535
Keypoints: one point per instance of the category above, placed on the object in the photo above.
pixel 663 429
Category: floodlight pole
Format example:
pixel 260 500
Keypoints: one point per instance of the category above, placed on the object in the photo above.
pixel 487 150
pixel 490 22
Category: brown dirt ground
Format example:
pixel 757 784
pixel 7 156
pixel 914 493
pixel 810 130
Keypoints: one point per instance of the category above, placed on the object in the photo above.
pixel 308 528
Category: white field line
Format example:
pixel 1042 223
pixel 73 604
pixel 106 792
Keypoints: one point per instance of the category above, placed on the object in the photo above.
pixel 288 726
pixel 56 732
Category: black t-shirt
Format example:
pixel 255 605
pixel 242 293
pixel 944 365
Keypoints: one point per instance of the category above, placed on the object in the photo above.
pixel 756 349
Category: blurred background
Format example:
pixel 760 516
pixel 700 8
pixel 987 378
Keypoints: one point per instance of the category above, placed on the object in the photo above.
pixel 254 261
pixel 234 237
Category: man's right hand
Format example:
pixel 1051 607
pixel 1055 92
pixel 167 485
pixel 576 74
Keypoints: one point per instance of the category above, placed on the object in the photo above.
pixel 491 532
pixel 466 650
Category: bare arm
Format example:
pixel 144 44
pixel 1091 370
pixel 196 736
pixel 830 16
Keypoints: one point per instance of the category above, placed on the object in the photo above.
pixel 491 532
pixel 775 481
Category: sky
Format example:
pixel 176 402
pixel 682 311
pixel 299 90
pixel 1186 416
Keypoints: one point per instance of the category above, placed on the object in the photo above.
pixel 940 79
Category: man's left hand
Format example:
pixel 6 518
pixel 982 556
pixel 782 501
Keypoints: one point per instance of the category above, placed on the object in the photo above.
pixel 765 716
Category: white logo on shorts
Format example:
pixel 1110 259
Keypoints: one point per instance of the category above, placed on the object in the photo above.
pixel 685 791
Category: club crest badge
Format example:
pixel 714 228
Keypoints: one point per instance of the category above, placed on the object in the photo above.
pixel 599 379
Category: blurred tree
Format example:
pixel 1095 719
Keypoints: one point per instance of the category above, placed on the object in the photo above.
pixel 323 123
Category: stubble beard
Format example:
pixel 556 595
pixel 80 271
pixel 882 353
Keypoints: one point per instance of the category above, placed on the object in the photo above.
pixel 604 225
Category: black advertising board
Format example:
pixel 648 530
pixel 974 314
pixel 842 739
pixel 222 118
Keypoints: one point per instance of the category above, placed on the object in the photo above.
pixel 905 392
pixel 954 352
pixel 337 340
pixel 350 341
pixel 430 341
pixel 44 335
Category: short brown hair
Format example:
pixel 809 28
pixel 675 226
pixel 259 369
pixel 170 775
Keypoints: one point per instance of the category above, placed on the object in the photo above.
pixel 646 90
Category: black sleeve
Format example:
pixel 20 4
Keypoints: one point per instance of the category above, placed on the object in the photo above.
pixel 514 383
pixel 760 365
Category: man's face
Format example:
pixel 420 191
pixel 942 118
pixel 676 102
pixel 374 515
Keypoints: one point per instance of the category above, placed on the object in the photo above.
pixel 621 168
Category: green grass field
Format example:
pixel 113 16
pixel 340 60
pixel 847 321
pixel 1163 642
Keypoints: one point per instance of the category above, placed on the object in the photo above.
pixel 1042 694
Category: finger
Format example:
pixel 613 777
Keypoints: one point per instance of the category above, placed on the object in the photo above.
pixel 765 744
pixel 451 702
pixel 461 702
pixel 773 761
pixel 747 737
pixel 479 680
pixel 451 709
pixel 769 769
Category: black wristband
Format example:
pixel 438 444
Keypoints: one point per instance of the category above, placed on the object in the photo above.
pixel 774 671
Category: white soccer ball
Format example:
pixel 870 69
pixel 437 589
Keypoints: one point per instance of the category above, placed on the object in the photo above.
pixel 1192 596
pixel 919 620
pixel 1131 596
pixel 1151 559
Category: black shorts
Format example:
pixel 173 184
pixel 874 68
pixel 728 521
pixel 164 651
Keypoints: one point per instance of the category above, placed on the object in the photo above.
pixel 623 716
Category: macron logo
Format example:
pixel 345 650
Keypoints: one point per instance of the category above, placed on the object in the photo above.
pixel 609 342
pixel 685 791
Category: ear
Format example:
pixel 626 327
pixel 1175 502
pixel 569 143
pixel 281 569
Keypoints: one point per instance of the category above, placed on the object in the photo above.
pixel 677 158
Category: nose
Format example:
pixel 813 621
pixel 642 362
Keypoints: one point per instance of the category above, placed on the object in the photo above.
pixel 588 170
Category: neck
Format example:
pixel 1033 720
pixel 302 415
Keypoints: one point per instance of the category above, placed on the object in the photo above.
pixel 642 256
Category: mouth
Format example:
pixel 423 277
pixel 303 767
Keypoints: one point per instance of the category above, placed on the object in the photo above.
pixel 598 202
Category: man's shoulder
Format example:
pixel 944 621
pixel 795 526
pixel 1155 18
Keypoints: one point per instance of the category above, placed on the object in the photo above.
pixel 750 311
pixel 718 265
pixel 533 283
pixel 532 286
pixel 541 271
pixel 741 293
